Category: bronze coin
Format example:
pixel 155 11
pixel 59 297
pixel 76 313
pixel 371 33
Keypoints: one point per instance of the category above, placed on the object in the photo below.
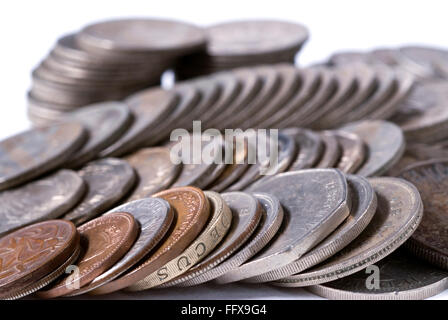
pixel 353 151
pixel 33 252
pixel 155 171
pixel 430 240
pixel 104 240
pixel 37 151
pixel 192 211
pixel 332 150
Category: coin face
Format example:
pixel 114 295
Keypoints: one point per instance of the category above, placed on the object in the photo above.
pixel 309 145
pixel 105 240
pixel 332 150
pixel 398 213
pixel 54 242
pixel 364 205
pixel 34 152
pixel 385 143
pixel 192 211
pixel 314 201
pixel 402 277
pixel 154 217
pixel 107 180
pixel 155 171
pixel 105 123
pixel 353 151
pixel 50 197
pixel 430 240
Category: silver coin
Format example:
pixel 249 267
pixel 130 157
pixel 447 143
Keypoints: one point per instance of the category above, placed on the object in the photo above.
pixel 315 202
pixel 107 180
pixel 46 198
pixel 332 150
pixel 309 145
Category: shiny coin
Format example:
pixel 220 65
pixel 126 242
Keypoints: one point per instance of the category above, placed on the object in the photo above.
pixel 49 197
pixel 398 214
pixel 37 151
pixel 353 151
pixel 309 145
pixel 314 201
pixel 107 181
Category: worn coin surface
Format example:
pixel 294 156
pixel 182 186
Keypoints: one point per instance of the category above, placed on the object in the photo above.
pixel 309 145
pixel 332 150
pixel 353 151
pixel 37 151
pixel 364 205
pixel 314 201
pixel 398 214
pixel 430 240
pixel 192 211
pixel 34 252
pixel 246 214
pixel 49 197
pixel 155 171
pixel 154 217
pixel 402 277
pixel 385 144
pixel 104 240
pixel 107 180
pixel 216 229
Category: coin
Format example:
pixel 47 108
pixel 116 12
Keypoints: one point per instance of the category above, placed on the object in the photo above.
pixel 192 211
pixel 54 241
pixel 105 240
pixel 49 197
pixel 401 277
pixel 353 151
pixel 332 150
pixel 314 201
pixel 364 205
pixel 105 123
pixel 107 181
pixel 34 152
pixel 430 240
pixel 385 143
pixel 398 214
pixel 246 212
pixel 155 171
pixel 216 229
pixel 149 107
pixel 155 217
pixel 309 145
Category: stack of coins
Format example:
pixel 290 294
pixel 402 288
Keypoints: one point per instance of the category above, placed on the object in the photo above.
pixel 244 43
pixel 108 61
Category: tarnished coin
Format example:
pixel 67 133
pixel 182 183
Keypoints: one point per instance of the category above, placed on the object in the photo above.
pixel 34 252
pixel 107 180
pixel 246 214
pixel 43 199
pixel 402 278
pixel 216 229
pixel 192 211
pixel 385 145
pixel 271 219
pixel 364 205
pixel 155 171
pixel 353 151
pixel 148 107
pixel 398 214
pixel 309 145
pixel 154 217
pixel 37 151
pixel 430 240
pixel 104 240
pixel 105 122
pixel 332 150
pixel 314 201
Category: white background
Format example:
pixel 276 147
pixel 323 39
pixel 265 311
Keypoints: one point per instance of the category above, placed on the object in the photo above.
pixel 28 30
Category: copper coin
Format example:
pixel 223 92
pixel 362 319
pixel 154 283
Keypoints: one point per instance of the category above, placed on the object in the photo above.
pixel 192 211
pixel 353 151
pixel 104 240
pixel 332 150
pixel 107 180
pixel 309 145
pixel 49 197
pixel 155 216
pixel 33 252
pixel 430 240
pixel 155 171
pixel 37 151
pixel 246 214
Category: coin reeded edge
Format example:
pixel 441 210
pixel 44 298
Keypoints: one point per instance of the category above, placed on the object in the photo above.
pixel 425 253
